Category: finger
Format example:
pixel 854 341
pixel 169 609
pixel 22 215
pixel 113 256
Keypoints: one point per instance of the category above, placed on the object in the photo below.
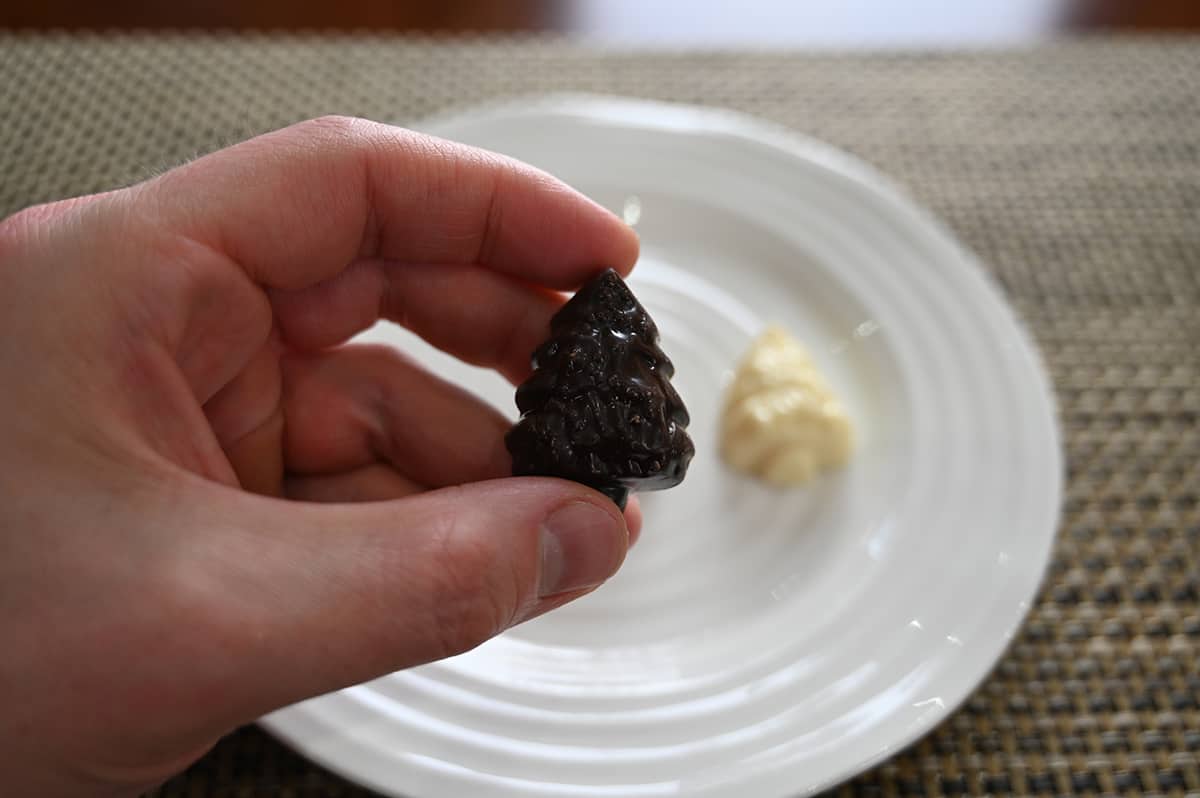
pixel 372 483
pixel 475 314
pixel 296 206
pixel 381 482
pixel 357 405
pixel 190 250
pixel 49 211
pixel 318 597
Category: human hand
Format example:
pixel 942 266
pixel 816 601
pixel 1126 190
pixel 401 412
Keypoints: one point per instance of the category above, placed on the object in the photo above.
pixel 179 408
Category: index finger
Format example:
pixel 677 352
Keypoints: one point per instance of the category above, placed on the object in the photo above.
pixel 297 206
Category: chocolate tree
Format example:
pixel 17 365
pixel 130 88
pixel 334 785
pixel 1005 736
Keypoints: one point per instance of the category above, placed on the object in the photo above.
pixel 599 408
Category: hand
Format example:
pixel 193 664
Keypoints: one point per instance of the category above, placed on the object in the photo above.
pixel 183 428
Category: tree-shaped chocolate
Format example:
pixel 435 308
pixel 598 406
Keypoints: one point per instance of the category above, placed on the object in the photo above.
pixel 599 408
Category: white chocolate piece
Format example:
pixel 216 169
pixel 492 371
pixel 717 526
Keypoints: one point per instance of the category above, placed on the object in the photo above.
pixel 781 421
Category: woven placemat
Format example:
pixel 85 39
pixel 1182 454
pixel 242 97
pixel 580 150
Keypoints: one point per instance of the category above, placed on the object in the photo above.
pixel 1072 169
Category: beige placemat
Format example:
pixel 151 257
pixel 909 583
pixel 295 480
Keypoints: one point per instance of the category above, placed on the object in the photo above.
pixel 1073 170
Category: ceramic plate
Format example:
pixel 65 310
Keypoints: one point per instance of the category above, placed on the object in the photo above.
pixel 757 642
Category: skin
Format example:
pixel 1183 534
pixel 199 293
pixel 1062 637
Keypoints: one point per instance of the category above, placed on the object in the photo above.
pixel 211 506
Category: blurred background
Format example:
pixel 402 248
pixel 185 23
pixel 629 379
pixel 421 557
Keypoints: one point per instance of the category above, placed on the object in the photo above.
pixel 713 23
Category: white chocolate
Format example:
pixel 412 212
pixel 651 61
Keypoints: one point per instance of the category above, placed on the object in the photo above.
pixel 781 421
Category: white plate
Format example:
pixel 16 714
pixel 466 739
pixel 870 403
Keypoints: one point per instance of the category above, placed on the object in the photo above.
pixel 757 642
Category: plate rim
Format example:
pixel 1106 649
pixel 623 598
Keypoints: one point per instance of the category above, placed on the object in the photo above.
pixel 666 117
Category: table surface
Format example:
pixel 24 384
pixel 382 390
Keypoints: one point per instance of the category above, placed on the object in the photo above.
pixel 1073 169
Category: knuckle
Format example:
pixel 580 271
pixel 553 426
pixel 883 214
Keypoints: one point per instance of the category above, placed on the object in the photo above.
pixel 20 220
pixel 334 126
pixel 28 229
pixel 11 238
pixel 386 387
pixel 21 226
pixel 472 600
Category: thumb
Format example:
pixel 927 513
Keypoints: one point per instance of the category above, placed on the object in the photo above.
pixel 319 597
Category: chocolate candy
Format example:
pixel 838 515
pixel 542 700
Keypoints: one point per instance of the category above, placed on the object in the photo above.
pixel 599 408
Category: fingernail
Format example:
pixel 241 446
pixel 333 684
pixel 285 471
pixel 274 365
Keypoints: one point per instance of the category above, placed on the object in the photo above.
pixel 582 545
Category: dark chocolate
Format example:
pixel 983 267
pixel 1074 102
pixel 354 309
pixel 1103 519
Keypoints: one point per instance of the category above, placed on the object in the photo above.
pixel 599 407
